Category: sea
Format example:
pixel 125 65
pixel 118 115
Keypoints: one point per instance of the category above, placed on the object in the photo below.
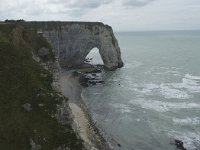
pixel 155 98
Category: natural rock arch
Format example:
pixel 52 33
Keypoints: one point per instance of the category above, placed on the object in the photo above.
pixel 73 42
pixel 94 57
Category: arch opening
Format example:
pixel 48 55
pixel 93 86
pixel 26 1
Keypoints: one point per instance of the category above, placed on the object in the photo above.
pixel 94 57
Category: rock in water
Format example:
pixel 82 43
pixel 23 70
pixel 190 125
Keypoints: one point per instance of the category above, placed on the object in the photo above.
pixel 72 41
pixel 179 145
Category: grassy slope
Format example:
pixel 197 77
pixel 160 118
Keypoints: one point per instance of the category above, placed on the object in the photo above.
pixel 22 80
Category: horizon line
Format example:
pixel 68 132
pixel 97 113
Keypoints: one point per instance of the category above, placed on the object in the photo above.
pixel 159 30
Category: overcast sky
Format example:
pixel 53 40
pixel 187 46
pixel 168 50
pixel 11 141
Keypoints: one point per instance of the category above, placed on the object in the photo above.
pixel 120 14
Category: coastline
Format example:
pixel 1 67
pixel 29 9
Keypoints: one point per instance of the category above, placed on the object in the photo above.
pixel 82 120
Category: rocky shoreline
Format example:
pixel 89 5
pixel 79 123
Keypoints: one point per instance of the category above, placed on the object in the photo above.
pixel 72 82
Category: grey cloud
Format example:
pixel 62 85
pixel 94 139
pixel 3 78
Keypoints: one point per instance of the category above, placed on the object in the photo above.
pixel 21 9
pixel 76 12
pixel 55 1
pixel 136 3
pixel 83 4
pixel 77 8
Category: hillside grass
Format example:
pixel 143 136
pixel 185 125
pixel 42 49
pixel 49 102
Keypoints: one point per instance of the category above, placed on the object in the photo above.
pixel 24 81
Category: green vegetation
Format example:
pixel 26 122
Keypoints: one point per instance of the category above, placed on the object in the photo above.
pixel 24 82
pixel 50 25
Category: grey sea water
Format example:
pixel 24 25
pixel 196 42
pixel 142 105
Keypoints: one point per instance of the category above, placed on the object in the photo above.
pixel 155 97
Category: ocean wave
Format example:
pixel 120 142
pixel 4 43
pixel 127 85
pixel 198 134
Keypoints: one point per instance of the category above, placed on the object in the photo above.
pixel 185 86
pixel 183 90
pixel 122 108
pixel 174 73
pixel 170 93
pixel 187 121
pixel 190 82
pixel 189 76
pixel 163 106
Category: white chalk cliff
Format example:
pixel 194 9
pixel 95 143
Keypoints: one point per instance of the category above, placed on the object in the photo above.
pixel 72 41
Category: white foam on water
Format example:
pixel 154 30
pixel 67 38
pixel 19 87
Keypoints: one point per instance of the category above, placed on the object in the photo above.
pixel 183 90
pixel 122 108
pixel 193 89
pixel 167 90
pixel 163 106
pixel 151 86
pixel 189 82
pixel 146 89
pixel 174 73
pixel 170 93
pixel 142 91
pixel 189 76
pixel 187 121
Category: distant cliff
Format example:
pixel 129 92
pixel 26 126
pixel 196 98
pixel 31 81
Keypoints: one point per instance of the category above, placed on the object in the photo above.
pixel 72 41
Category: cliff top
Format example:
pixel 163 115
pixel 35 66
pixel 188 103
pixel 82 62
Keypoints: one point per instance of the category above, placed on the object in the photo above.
pixel 53 24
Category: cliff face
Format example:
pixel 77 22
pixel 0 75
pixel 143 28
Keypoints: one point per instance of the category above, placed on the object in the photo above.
pixel 73 41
